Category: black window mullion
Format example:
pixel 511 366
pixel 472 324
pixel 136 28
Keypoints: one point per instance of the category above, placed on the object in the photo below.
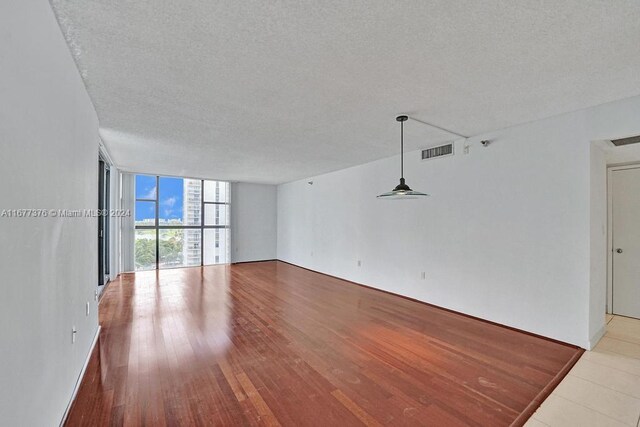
pixel 157 222
pixel 201 222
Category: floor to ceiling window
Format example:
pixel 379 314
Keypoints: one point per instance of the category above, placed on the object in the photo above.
pixel 180 222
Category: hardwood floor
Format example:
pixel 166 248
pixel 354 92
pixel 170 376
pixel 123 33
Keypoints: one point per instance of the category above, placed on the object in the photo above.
pixel 273 344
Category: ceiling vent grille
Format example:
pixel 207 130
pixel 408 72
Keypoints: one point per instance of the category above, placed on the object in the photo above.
pixel 439 151
pixel 626 141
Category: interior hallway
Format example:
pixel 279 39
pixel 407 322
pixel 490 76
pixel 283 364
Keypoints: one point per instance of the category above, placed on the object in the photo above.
pixel 271 343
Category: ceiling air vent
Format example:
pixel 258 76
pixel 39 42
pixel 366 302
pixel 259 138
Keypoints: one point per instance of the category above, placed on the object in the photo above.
pixel 624 141
pixel 439 151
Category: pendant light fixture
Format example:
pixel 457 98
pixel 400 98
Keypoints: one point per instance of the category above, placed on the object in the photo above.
pixel 402 190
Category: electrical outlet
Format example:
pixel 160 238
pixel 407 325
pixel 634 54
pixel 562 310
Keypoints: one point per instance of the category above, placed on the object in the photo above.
pixel 359 263
pixel 423 275
pixel 88 308
pixel 74 332
pixel 95 295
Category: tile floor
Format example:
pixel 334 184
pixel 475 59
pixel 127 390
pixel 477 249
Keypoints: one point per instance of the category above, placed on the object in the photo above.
pixel 603 388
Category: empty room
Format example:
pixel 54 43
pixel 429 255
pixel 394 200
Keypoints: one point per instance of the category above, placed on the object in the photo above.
pixel 330 213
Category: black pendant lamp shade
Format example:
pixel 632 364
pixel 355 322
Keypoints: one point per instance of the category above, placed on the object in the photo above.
pixel 402 190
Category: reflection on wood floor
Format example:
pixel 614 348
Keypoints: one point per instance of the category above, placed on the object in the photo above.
pixel 273 344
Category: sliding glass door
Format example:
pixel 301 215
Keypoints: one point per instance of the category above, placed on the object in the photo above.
pixel 104 194
pixel 180 222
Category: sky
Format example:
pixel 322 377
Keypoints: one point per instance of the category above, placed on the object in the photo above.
pixel 171 193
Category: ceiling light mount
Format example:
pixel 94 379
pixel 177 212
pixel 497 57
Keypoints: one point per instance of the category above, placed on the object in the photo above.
pixel 402 190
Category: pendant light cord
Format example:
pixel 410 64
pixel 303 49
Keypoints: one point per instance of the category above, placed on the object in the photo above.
pixel 402 150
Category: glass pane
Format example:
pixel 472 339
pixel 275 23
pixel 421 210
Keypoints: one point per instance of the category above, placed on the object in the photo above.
pixel 145 187
pixel 179 248
pixel 216 246
pixel 216 191
pixel 216 214
pixel 179 201
pixel 192 206
pixel 191 248
pixel 145 213
pixel 145 250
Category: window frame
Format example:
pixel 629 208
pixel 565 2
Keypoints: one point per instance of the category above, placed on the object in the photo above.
pixel 157 227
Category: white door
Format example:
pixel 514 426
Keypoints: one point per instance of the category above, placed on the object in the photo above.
pixel 626 242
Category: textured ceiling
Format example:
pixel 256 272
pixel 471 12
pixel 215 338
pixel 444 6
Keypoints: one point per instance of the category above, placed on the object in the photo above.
pixel 271 91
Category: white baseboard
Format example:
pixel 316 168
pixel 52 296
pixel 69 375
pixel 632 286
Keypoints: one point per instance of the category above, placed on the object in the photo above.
pixel 79 380
pixel 593 341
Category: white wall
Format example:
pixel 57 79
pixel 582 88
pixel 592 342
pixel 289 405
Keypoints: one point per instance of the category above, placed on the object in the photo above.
pixel 598 243
pixel 506 234
pixel 253 222
pixel 48 160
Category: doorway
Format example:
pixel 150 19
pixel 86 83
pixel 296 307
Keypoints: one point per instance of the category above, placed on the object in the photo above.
pixel 104 191
pixel 625 240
